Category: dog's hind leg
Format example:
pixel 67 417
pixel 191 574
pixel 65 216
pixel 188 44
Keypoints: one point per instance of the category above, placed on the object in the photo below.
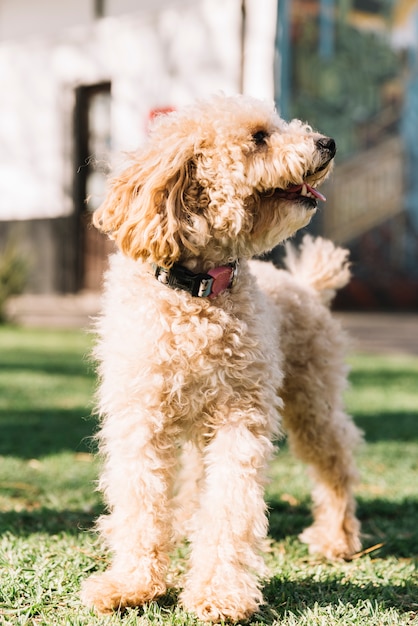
pixel 230 526
pixel 335 530
pixel 137 483
pixel 324 436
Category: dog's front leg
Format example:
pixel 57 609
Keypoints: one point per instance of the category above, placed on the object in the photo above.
pixel 225 562
pixel 136 481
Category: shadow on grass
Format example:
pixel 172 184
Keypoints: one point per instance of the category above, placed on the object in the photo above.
pixel 386 425
pixel 41 432
pixel 283 596
pixel 394 426
pixel 45 392
pixel 38 433
pixel 394 524
pixel 50 521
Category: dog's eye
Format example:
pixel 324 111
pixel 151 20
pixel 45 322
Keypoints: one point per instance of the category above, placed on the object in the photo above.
pixel 259 138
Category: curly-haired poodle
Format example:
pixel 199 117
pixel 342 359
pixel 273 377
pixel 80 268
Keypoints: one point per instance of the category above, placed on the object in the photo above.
pixel 196 354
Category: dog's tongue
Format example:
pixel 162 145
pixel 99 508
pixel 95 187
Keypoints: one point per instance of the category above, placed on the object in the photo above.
pixel 306 190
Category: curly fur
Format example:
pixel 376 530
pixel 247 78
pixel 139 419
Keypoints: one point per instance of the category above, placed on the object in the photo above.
pixel 222 377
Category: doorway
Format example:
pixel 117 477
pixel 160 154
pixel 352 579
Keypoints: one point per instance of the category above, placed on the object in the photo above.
pixel 92 129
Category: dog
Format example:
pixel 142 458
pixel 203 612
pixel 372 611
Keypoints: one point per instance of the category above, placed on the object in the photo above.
pixel 201 349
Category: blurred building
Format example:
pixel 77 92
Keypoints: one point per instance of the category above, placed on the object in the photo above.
pixel 80 80
pixel 351 69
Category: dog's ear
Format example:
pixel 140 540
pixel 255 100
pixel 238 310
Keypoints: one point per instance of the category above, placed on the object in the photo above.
pixel 144 211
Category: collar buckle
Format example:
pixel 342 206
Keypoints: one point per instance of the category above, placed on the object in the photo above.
pixel 198 285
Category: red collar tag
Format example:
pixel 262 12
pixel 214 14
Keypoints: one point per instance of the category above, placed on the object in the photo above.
pixel 222 279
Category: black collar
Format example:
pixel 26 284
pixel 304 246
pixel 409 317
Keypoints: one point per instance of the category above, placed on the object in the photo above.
pixel 199 285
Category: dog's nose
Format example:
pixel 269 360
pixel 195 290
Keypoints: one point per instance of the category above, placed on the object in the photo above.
pixel 327 144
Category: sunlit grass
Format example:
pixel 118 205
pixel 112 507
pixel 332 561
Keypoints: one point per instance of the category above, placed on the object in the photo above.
pixel 48 500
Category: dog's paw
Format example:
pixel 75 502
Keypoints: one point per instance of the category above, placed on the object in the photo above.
pixel 111 591
pixel 215 609
pixel 341 545
pixel 213 603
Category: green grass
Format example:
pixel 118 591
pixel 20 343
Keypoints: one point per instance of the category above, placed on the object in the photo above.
pixel 48 502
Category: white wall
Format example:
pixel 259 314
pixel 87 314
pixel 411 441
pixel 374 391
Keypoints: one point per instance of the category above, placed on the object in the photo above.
pixel 258 62
pixel 164 57
pixel 24 18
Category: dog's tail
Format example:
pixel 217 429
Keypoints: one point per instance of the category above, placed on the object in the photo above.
pixel 319 264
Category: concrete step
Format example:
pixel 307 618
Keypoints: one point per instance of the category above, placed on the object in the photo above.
pixel 370 332
pixel 54 310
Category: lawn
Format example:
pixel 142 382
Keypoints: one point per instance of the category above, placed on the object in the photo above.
pixel 48 502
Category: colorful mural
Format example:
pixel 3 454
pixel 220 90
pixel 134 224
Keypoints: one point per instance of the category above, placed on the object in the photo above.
pixel 350 67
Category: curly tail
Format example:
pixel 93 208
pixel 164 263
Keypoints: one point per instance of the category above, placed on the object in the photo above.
pixel 319 264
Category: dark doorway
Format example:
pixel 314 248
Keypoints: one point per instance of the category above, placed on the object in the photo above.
pixel 92 129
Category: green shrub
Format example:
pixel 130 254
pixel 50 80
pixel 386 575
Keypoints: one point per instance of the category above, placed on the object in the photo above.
pixel 13 275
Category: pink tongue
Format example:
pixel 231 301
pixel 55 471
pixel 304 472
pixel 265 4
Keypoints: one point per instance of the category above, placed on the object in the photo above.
pixel 314 192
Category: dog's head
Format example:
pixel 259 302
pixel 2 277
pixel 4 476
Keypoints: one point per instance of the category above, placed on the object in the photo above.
pixel 220 180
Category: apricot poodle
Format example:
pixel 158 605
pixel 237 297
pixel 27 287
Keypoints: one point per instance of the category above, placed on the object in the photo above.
pixel 196 353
